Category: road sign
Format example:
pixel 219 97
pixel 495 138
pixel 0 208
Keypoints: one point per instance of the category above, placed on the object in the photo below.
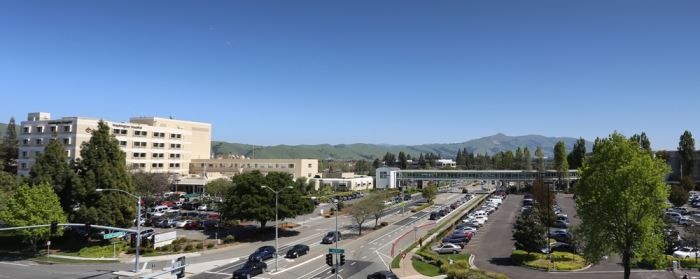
pixel 113 235
pixel 336 250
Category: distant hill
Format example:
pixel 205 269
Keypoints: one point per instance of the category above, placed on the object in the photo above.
pixel 491 145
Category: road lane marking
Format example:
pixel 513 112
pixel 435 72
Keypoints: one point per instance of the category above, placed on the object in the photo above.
pixel 380 258
pixel 315 271
pixel 217 273
pixel 352 263
pixel 293 267
pixel 13 264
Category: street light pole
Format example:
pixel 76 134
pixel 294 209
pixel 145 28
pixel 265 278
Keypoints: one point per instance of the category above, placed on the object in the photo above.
pixel 138 223
pixel 276 220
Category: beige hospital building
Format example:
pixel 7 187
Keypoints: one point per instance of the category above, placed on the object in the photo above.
pixel 229 167
pixel 151 144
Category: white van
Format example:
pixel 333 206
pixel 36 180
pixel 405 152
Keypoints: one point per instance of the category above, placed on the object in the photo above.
pixel 496 200
pixel 158 210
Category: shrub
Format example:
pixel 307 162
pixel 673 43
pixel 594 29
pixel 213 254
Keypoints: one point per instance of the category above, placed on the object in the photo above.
pixel 189 247
pixel 228 239
pixel 384 224
pixel 210 245
pixel 200 246
pixel 180 241
pixel 177 248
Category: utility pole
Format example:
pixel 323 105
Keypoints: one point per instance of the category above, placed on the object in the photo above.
pixel 276 222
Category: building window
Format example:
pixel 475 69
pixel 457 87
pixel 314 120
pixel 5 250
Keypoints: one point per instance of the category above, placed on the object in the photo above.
pixel 24 154
pixel 158 135
pixel 68 153
pixel 52 129
pixel 291 166
pixel 122 143
pixel 174 156
pixel 157 155
pixel 66 128
pixel 309 165
pixel 24 166
pixel 39 129
pixel 37 153
pixel 175 136
pixel 25 141
pixel 66 141
pixel 175 146
pixel 26 130
pixel 174 165
pixel 38 141
pixel 119 131
pixel 308 175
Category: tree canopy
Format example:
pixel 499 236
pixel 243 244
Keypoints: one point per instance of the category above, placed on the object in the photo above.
pixel 539 155
pixel 10 148
pixel 33 205
pixel 577 155
pixel 620 199
pixel 429 193
pixel 53 167
pixel 686 150
pixel 529 232
pixel 151 186
pixel 678 196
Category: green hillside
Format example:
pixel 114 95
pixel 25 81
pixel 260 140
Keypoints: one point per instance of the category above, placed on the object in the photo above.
pixel 490 145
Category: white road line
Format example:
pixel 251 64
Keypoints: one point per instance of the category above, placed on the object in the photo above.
pixel 352 263
pixel 380 258
pixel 293 267
pixel 217 273
pixel 314 271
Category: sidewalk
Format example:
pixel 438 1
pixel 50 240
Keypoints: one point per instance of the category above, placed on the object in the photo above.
pixel 82 258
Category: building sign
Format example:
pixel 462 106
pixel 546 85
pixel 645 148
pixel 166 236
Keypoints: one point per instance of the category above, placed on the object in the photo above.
pixel 119 125
pixel 162 239
pixel 60 122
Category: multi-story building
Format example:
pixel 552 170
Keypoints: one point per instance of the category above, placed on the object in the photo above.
pixel 229 167
pixel 344 181
pixel 151 144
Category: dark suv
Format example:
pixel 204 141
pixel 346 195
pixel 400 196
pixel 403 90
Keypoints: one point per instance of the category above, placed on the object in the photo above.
pixel 330 237
pixel 263 253
pixel 249 270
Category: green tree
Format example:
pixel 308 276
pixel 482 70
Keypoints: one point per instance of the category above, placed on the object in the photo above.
pixel 429 192
pixel 643 141
pixel 539 155
pixel 620 199
pixel 390 159
pixel 247 200
pixel 375 205
pixel 103 166
pixel 403 162
pixel 577 155
pixel 53 167
pixel 376 163
pixel 421 161
pixel 529 232
pixel 686 150
pixel 219 187
pixel 678 196
pixel 527 158
pixel 508 160
pixel 10 147
pixel 544 196
pixel 687 183
pixel 519 159
pixel 8 185
pixel 560 162
pixel 35 205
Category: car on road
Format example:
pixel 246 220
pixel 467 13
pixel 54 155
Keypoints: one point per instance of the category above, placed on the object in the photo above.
pixel 331 237
pixel 686 252
pixel 263 253
pixel 194 225
pixel 297 251
pixel 249 270
pixel 434 216
pixel 447 248
pixel 382 275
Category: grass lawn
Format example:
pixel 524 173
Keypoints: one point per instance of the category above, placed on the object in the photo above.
pixel 561 260
pixel 426 268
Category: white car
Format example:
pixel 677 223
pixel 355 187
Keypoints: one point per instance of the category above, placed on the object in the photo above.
pixel 686 252
pixel 182 223
pixel 202 207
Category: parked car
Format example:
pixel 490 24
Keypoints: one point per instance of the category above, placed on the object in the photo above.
pixel 686 252
pixel 263 253
pixel 297 251
pixel 561 224
pixel 202 207
pixel 561 236
pixel 560 247
pixel 674 216
pixel 331 237
pixel 249 270
pixel 166 223
pixel 447 248
pixel 382 275
pixel 182 223
pixel 194 225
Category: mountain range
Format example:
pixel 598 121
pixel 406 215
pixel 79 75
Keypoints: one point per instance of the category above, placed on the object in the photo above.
pixel 491 145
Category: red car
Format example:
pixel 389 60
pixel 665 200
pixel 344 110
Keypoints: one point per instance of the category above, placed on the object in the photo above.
pixel 194 225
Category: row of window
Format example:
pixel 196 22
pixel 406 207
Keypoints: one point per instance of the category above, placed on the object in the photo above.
pixel 248 165
pixel 156 165
pixel 143 144
pixel 52 129
pixel 25 154
pixel 66 141
pixel 156 155
pixel 140 133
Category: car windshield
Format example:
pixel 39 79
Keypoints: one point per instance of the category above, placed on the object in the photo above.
pixel 330 234
pixel 686 249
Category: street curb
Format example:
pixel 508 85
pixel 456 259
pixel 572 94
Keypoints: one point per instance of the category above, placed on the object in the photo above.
pixel 575 270
pixel 471 262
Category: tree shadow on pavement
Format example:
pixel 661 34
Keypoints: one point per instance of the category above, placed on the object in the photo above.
pixel 506 261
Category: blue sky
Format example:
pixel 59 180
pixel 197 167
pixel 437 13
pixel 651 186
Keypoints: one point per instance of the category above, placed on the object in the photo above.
pixel 400 72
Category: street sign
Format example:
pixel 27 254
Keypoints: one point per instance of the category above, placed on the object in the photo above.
pixel 113 235
pixel 336 250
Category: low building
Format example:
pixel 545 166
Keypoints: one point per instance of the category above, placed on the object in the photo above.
pixel 443 163
pixel 151 144
pixel 386 177
pixel 345 181
pixel 230 167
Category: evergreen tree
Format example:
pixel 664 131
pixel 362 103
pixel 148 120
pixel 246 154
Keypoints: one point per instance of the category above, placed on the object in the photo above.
pixel 560 163
pixel 643 141
pixel 529 232
pixel 103 165
pixel 686 150
pixel 376 163
pixel 421 161
pixel 508 160
pixel 539 154
pixel 390 159
pixel 10 148
pixel 519 159
pixel 53 167
pixel 527 159
pixel 577 155
pixel 403 162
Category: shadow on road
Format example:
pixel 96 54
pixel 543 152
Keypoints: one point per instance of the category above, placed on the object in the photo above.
pixel 507 261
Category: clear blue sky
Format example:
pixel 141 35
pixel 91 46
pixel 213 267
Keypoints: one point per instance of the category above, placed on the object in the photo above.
pixel 400 72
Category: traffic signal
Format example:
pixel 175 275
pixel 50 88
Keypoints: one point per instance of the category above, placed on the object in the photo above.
pixel 329 259
pixel 342 259
pixel 54 227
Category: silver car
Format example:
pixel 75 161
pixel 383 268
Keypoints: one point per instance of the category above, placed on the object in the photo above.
pixel 447 248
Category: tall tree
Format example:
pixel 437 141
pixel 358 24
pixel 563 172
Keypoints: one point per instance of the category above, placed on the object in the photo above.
pixel 643 141
pixel 560 163
pixel 375 205
pixel 35 205
pixel 527 159
pixel 152 186
pixel 53 167
pixel 620 199
pixel 359 213
pixel 678 196
pixel 10 147
pixel 519 160
pixel 421 161
pixel 539 155
pixel 578 154
pixel 403 162
pixel 529 232
pixel 103 166
pixel 686 150
pixel 390 159
pixel 8 185
pixel 544 196
pixel 376 163
pixel 429 192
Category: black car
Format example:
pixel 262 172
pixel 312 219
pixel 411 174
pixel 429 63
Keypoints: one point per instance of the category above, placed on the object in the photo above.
pixel 563 247
pixel 561 236
pixel 250 269
pixel 263 253
pixel 382 275
pixel 297 251
pixel 330 237
pixel 434 216
pixel 561 224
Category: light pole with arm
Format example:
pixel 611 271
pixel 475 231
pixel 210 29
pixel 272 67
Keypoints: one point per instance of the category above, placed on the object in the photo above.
pixel 276 225
pixel 138 223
